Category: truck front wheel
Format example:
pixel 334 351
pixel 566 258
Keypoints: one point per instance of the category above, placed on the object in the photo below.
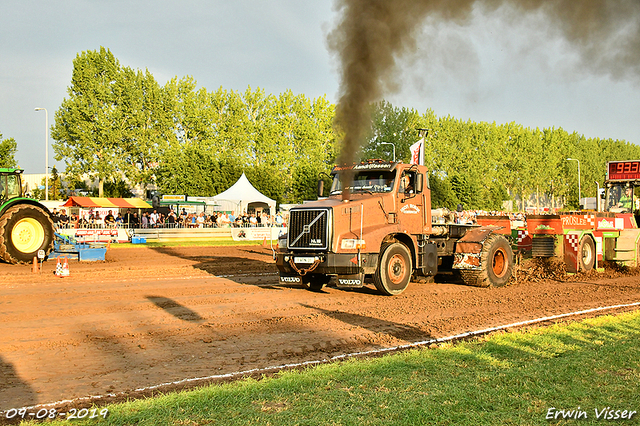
pixel 25 229
pixel 394 270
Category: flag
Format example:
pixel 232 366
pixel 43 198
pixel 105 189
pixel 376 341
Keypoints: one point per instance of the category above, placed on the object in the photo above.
pixel 417 153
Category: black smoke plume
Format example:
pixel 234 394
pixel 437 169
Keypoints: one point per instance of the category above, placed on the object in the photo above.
pixel 372 35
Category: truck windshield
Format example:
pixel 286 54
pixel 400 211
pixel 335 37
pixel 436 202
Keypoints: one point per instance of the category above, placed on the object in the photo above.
pixel 620 198
pixel 372 182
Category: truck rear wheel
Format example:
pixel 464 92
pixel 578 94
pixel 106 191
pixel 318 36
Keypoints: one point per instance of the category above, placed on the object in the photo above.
pixel 496 259
pixel 586 254
pixel 25 229
pixel 394 270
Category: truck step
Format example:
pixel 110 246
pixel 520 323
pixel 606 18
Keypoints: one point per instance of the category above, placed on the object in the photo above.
pixel 626 257
pixel 628 263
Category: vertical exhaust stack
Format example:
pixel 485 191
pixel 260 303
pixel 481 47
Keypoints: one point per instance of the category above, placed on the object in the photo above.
pixel 372 34
pixel 347 181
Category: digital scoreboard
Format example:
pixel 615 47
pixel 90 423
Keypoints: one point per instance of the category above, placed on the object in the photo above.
pixel 623 170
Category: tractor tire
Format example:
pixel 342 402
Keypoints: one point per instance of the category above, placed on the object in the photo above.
pixel 24 230
pixel 315 282
pixel 586 254
pixel 496 259
pixel 394 269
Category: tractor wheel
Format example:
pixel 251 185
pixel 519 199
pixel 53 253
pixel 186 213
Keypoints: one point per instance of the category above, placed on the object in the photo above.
pixel 315 282
pixel 394 270
pixel 25 229
pixel 496 259
pixel 586 254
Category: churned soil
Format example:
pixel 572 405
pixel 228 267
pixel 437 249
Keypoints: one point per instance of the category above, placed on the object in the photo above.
pixel 147 318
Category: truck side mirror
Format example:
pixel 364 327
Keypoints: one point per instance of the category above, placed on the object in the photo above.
pixel 320 188
pixel 419 182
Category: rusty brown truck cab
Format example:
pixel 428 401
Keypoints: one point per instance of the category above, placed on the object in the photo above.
pixel 379 226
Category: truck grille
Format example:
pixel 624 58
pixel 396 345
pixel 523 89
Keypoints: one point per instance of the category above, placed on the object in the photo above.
pixel 308 229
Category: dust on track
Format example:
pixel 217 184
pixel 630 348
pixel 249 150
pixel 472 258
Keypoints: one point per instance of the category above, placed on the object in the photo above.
pixel 148 316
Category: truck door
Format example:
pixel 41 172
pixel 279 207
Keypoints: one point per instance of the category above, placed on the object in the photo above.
pixel 411 215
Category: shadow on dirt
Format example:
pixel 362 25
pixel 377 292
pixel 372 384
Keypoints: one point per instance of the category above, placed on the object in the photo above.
pixel 241 264
pixel 376 325
pixel 14 392
pixel 174 308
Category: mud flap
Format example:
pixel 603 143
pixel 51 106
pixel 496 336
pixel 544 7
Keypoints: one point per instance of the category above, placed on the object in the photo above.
pixel 349 281
pixel 290 279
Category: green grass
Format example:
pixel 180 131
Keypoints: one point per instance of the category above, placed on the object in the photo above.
pixel 503 379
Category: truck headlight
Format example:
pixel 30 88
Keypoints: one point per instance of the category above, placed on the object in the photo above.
pixel 282 241
pixel 351 244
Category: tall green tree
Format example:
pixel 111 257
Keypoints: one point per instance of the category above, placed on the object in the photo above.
pixel 114 122
pixel 88 128
pixel 8 148
pixel 147 125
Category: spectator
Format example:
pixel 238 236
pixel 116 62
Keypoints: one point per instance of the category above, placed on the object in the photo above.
pixel 110 220
pixel 145 220
pixel 153 219
pixel 119 220
pixel 63 219
pixel 54 216
pixel 135 221
pixel 171 219
pixel 279 220
pixel 73 220
pixel 200 220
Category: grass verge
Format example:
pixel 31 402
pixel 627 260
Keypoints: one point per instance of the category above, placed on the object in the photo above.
pixel 511 378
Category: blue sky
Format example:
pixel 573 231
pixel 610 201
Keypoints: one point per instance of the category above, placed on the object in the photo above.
pixel 488 70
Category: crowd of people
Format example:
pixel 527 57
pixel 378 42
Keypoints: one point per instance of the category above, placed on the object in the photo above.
pixel 469 217
pixel 183 219
pixel 155 219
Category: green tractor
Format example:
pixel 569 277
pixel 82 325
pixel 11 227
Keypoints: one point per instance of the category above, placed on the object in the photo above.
pixel 26 226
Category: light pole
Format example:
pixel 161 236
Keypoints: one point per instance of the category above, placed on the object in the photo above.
pixel 46 153
pixel 394 149
pixel 579 192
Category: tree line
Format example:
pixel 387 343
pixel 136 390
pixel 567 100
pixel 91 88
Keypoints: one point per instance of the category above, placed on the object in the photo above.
pixel 480 165
pixel 118 124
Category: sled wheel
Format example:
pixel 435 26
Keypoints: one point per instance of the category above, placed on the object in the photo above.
pixel 496 260
pixel 394 270
pixel 586 254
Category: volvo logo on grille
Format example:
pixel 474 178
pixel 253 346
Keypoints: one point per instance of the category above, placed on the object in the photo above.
pixel 290 279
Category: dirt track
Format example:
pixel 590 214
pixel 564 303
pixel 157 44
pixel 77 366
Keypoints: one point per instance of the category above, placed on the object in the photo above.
pixel 151 316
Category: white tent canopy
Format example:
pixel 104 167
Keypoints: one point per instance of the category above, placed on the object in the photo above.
pixel 242 196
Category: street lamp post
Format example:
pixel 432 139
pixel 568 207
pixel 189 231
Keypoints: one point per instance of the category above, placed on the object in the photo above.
pixel 394 149
pixel 579 191
pixel 46 153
